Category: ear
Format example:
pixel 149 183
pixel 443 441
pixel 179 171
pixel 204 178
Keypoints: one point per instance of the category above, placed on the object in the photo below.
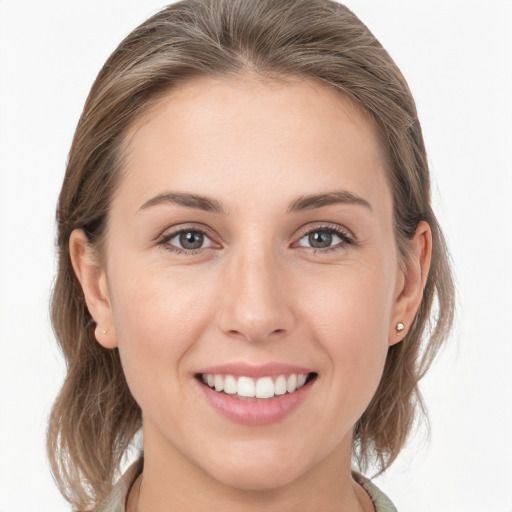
pixel 411 282
pixel 93 280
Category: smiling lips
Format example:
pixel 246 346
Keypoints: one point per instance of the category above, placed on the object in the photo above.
pixel 263 387
pixel 255 395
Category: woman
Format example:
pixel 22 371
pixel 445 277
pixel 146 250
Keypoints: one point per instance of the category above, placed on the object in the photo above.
pixel 248 262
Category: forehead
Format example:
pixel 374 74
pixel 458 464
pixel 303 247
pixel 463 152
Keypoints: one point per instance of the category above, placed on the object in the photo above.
pixel 223 136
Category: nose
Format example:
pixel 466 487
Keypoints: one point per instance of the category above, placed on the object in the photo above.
pixel 256 302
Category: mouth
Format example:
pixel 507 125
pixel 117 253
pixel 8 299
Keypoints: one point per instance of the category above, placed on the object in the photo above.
pixel 247 388
pixel 256 395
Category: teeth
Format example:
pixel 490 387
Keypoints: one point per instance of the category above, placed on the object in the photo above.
pixel 218 382
pixel 246 386
pixel 280 385
pixel 230 385
pixel 264 387
pixel 291 384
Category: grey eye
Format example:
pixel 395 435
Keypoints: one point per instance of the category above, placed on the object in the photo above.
pixel 191 239
pixel 320 239
pixel 188 240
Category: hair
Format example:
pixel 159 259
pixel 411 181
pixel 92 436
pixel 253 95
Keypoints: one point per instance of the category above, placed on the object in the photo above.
pixel 95 417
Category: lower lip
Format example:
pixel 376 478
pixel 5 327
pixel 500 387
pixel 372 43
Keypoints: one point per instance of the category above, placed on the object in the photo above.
pixel 258 412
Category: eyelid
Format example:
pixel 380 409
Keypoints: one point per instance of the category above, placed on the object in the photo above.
pixel 327 226
pixel 169 233
pixel 347 237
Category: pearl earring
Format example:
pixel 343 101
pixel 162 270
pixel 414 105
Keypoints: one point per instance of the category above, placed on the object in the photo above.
pixel 399 328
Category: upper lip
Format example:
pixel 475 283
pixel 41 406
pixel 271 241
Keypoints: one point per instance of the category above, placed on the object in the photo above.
pixel 250 370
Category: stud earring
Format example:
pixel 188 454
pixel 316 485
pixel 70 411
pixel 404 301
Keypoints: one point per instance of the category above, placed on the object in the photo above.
pixel 104 332
pixel 399 328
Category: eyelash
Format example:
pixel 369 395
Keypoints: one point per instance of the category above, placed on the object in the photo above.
pixel 346 238
pixel 164 240
pixel 343 234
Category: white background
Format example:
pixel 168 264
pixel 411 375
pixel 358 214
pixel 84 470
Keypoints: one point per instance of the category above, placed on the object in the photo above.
pixel 457 57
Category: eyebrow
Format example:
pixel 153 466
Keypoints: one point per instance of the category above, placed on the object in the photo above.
pixel 208 204
pixel 196 201
pixel 313 201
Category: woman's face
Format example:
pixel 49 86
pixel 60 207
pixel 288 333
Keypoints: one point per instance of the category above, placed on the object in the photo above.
pixel 250 243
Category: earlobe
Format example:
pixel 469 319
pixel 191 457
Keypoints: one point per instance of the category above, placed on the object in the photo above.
pixel 412 281
pixel 93 280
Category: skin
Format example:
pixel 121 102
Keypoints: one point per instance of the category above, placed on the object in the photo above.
pixel 256 291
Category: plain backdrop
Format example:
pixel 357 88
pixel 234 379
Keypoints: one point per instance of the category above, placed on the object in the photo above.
pixel 457 58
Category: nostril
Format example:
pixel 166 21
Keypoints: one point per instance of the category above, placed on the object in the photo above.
pixel 254 336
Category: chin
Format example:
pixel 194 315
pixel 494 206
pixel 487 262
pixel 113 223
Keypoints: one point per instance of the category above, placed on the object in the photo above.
pixel 258 468
pixel 257 478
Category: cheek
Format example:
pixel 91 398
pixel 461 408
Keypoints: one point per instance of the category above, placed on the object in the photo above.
pixel 159 316
pixel 349 316
pixel 355 304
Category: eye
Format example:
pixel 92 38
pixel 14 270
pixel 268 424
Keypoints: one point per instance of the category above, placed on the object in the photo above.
pixel 325 238
pixel 186 240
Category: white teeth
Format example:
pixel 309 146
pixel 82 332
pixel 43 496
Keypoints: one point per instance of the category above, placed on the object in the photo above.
pixel 246 386
pixel 219 382
pixel 291 384
pixel 230 385
pixel 264 387
pixel 301 380
pixel 280 385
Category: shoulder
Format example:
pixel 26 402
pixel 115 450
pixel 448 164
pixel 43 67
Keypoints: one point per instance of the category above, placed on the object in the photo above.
pixel 116 500
pixel 381 502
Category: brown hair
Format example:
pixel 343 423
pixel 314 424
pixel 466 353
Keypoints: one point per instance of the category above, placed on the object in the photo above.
pixel 95 417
